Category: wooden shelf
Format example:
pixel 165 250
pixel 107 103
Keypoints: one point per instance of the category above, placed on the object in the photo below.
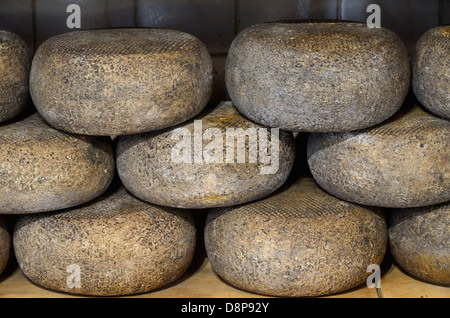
pixel 202 282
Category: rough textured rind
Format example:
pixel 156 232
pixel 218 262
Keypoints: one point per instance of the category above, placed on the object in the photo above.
pixel 43 169
pixel 420 242
pixel 299 242
pixel 120 81
pixel 431 71
pixel 122 246
pixel 404 162
pixel 317 77
pixel 5 245
pixel 15 60
pixel 147 169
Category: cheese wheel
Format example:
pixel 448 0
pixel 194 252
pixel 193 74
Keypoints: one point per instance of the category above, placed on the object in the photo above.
pixel 120 81
pixel 43 169
pixel 116 245
pixel 5 245
pixel 317 77
pixel 420 242
pixel 15 62
pixel 206 162
pixel 401 163
pixel 298 242
pixel 431 71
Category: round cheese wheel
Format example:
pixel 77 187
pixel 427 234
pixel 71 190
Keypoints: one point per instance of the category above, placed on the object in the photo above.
pixel 5 245
pixel 431 71
pixel 317 77
pixel 420 242
pixel 401 163
pixel 298 242
pixel 120 81
pixel 43 169
pixel 116 245
pixel 15 60
pixel 216 160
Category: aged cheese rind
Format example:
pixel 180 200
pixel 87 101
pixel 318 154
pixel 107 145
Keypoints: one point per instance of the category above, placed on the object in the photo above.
pixel 120 81
pixel 5 245
pixel 118 244
pixel 147 168
pixel 43 169
pixel 15 60
pixel 401 163
pixel 298 242
pixel 431 71
pixel 317 77
pixel 419 240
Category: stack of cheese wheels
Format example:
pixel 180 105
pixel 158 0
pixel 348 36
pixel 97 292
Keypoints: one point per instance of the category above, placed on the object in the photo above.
pixel 298 242
pixel 89 84
pixel 307 77
pixel 317 77
pixel 345 84
pixel 43 169
pixel 120 81
pixel 116 245
pixel 175 167
pixel 431 71
pixel 5 245
pixel 404 162
pixel 14 69
pixel 420 242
